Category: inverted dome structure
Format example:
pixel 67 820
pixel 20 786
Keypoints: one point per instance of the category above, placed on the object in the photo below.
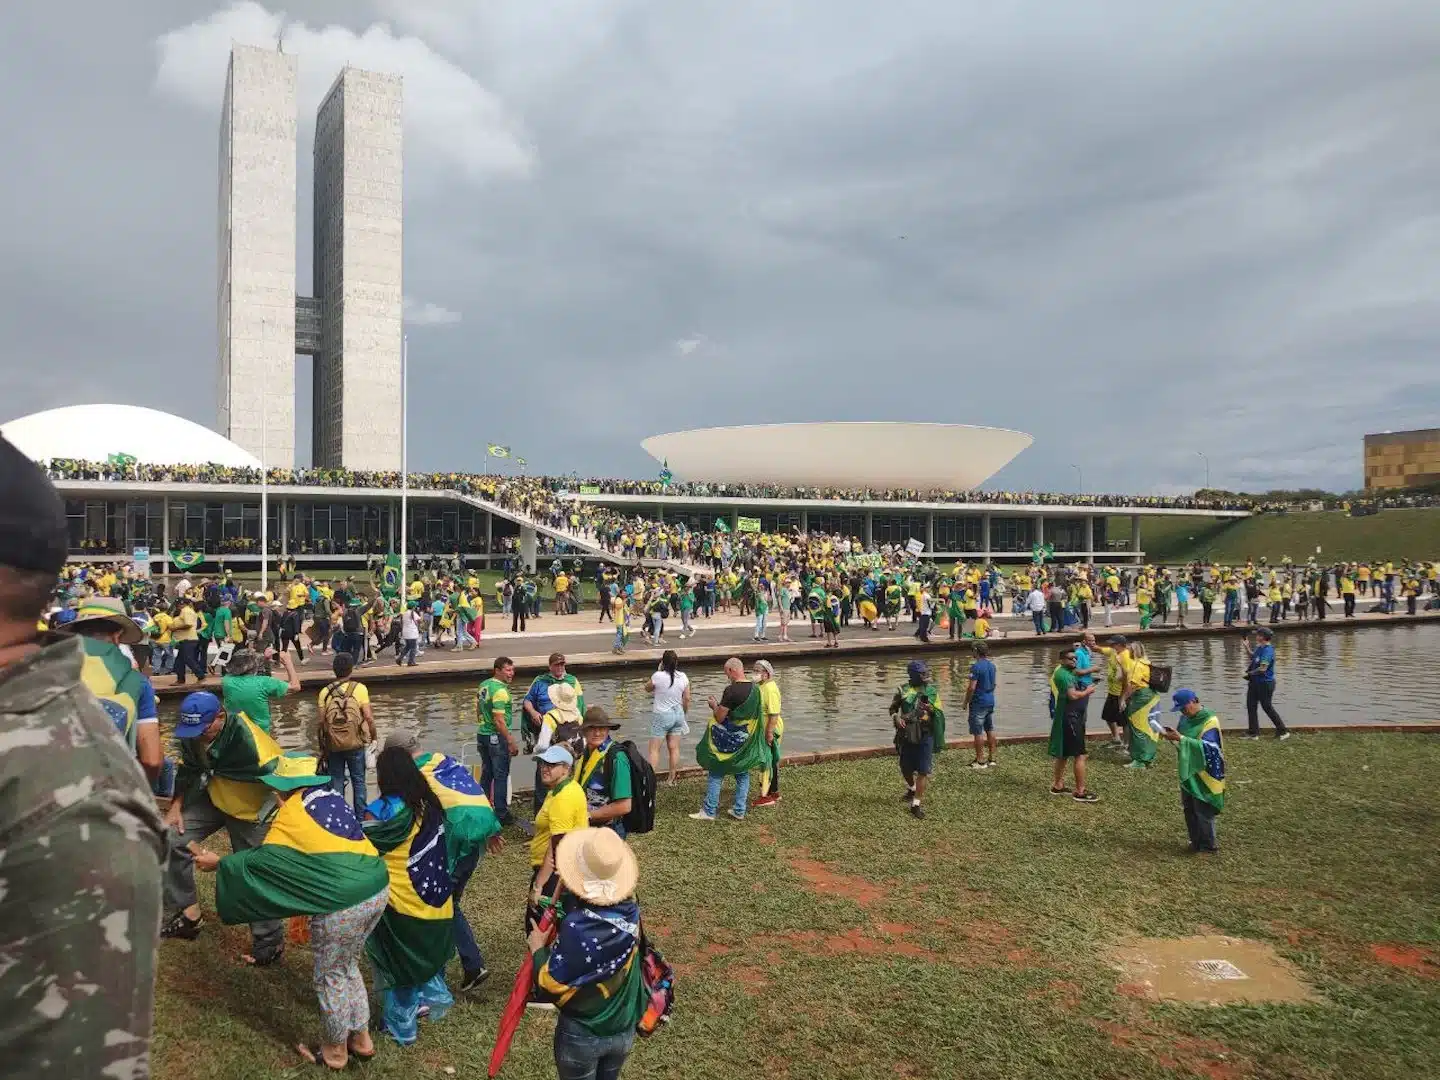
pixel 875 455
pixel 94 432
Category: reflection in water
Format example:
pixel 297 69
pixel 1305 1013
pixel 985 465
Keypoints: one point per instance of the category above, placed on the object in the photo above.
pixel 1330 677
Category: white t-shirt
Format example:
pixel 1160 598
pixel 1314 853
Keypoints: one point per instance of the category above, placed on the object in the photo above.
pixel 668 697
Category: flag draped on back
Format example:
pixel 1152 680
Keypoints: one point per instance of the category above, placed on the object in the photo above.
pixel 414 939
pixel 738 744
pixel 315 860
pixel 1202 758
pixel 236 761
pixel 469 818
pixel 1143 741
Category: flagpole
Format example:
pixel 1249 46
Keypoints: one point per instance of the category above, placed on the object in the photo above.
pixel 264 500
pixel 404 458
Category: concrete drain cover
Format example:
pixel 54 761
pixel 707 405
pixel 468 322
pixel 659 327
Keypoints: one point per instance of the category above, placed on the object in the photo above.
pixel 1208 970
pixel 1219 969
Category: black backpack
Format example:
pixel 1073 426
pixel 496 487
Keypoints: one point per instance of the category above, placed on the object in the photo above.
pixel 350 621
pixel 641 818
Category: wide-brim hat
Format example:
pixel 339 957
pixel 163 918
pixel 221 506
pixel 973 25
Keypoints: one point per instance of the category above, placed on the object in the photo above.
pixel 597 717
pixel 597 866
pixel 105 609
pixel 294 770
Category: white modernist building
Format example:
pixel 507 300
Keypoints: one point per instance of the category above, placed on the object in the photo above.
pixel 351 325
pixel 878 456
pixel 98 432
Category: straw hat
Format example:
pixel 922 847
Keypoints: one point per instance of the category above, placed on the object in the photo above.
pixel 564 698
pixel 597 866
pixel 104 609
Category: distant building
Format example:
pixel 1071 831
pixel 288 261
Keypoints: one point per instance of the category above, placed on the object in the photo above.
pixel 351 326
pixel 1401 459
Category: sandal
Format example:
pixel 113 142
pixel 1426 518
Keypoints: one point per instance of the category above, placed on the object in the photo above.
pixel 312 1053
pixel 264 959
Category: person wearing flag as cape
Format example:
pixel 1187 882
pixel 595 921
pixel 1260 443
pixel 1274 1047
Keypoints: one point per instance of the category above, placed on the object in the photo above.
pixel 415 937
pixel 919 720
pixel 219 784
pixel 537 702
pixel 471 829
pixel 1202 768
pixel 314 862
pixel 733 743
pixel 1138 703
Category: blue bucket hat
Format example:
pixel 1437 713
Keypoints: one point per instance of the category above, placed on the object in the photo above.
pixel 917 669
pixel 1182 698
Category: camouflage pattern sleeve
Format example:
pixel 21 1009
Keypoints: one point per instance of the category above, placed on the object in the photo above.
pixel 81 854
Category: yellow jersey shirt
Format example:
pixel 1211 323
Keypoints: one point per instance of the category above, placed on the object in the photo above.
pixel 563 811
pixel 770 705
pixel 299 596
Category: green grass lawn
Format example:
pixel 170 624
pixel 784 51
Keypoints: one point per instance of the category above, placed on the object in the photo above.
pixel 1390 534
pixel 836 937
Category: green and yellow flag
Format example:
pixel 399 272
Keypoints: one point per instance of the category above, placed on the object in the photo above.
pixel 187 558
pixel 390 576
pixel 496 450
pixel 315 859
pixel 737 745
pixel 415 938
pixel 469 818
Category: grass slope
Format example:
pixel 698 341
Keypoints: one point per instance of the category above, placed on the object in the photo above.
pixel 835 937
pixel 1390 534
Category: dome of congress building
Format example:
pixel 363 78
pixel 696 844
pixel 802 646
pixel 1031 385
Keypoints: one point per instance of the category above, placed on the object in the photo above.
pixel 879 455
pixel 95 432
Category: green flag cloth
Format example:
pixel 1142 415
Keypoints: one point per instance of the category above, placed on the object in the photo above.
pixel 1202 758
pixel 186 558
pixel 1137 723
pixel 737 745
pixel 315 860
pixel 241 767
pixel 390 576
pixel 1061 680
pixel 415 937
pixel 910 695
pixel 721 526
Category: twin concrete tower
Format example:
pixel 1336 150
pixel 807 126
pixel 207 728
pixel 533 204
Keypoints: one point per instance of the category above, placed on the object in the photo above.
pixel 351 326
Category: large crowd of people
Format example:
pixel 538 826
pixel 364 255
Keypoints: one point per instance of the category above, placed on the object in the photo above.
pixel 381 880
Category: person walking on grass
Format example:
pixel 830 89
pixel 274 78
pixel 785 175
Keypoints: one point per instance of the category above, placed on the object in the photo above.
pixel 1260 691
pixel 670 687
pixel 733 743
pixel 980 706
pixel 919 721
pixel 1067 727
pixel 1201 760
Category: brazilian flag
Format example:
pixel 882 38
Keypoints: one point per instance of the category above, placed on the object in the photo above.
pixel 108 674
pixel 469 818
pixel 496 450
pixel 738 744
pixel 1202 757
pixel 241 762
pixel 415 938
pixel 186 558
pixel 315 859
pixel 390 576
pixel 1137 723
pixel 910 696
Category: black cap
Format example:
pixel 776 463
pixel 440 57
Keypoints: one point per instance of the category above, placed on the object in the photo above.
pixel 33 535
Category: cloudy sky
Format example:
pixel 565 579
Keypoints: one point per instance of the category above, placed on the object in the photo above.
pixel 1139 231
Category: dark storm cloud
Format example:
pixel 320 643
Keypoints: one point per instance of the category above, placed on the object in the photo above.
pixel 1137 231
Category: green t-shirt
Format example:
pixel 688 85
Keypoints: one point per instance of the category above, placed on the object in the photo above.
pixel 251 695
pixel 493 695
pixel 220 624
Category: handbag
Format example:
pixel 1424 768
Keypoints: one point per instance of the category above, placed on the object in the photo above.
pixel 659 979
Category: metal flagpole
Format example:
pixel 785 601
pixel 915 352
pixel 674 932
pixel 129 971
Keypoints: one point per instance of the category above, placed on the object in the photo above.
pixel 404 459
pixel 264 501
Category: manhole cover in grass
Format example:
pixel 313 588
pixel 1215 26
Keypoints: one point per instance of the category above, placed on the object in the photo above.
pixel 1208 970
pixel 1219 969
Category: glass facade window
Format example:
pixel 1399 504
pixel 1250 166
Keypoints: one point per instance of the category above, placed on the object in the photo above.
pixel 898 528
pixel 851 525
pixel 965 534
pixel 1065 534
pixel 1012 534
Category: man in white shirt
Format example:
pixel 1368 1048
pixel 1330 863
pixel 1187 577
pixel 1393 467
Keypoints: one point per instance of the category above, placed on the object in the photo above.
pixel 410 634
pixel 1035 605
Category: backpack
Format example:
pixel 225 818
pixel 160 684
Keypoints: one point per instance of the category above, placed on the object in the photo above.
pixel 342 721
pixel 641 818
pixel 350 621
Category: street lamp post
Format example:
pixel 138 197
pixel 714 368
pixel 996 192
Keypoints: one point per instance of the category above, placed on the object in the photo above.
pixel 1207 468
pixel 264 500
pixel 1079 478
pixel 404 460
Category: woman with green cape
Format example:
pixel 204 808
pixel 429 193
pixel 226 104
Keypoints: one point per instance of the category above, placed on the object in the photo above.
pixel 1138 702
pixel 415 938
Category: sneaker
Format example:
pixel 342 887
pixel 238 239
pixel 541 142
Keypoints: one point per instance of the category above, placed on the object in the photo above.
pixel 1059 791
pixel 542 1006
pixel 1284 735
pixel 471 980
pixel 701 815
pixel 731 814
pixel 1086 797
pixel 766 800
pixel 1251 738
pixel 916 810
pixel 992 764
pixel 978 764
pixel 909 794
pixel 182 926
pixel 1136 765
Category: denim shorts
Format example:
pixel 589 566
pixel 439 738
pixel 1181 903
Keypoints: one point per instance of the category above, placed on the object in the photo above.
pixel 981 719
pixel 917 757
pixel 663 723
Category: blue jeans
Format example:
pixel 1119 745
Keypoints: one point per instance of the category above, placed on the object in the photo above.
pixel 580 1055
pixel 410 646
pixel 471 959
pixel 760 624
pixel 339 762
pixel 1039 617
pixel 619 635
pixel 164 661
pixel 495 774
pixel 711 805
